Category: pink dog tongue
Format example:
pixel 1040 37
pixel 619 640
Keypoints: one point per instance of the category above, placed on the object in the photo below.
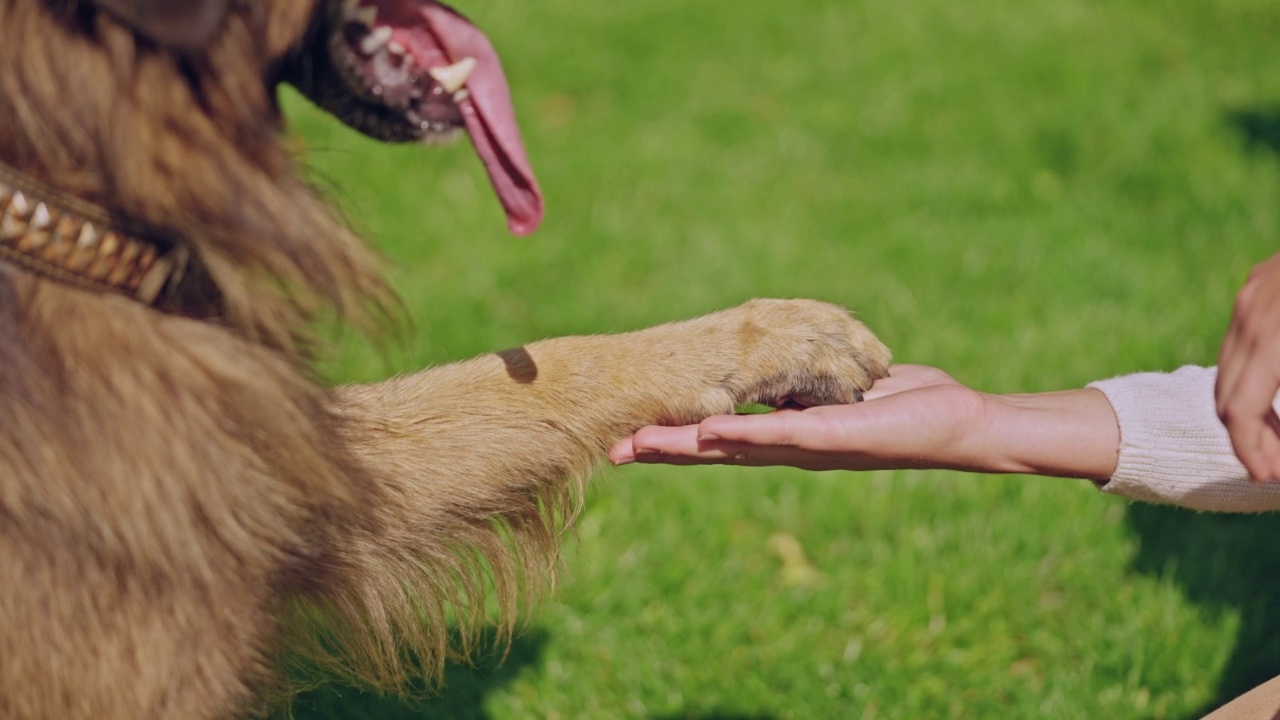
pixel 490 119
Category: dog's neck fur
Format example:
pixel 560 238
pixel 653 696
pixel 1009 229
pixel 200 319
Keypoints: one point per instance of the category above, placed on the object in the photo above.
pixel 71 241
pixel 191 148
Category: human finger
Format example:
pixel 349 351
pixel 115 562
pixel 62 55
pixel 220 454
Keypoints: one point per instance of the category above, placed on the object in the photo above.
pixel 682 446
pixel 1233 362
pixel 1246 414
pixel 1271 446
pixel 681 440
pixel 907 377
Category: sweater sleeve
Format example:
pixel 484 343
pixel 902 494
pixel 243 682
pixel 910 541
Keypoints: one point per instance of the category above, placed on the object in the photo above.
pixel 1173 448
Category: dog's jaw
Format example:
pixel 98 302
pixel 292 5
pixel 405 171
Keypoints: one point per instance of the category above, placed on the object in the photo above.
pixel 406 70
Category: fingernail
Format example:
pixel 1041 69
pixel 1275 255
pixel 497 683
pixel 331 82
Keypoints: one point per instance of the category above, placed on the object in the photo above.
pixel 619 462
pixel 708 437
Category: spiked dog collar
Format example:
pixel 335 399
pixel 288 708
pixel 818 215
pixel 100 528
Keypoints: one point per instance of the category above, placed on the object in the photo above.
pixel 66 239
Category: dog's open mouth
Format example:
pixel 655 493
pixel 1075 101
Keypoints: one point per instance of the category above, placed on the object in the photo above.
pixel 402 70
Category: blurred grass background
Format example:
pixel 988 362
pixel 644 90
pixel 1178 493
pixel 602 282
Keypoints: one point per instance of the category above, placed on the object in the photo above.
pixel 1030 195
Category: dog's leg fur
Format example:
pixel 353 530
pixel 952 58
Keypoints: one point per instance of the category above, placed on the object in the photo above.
pixel 505 439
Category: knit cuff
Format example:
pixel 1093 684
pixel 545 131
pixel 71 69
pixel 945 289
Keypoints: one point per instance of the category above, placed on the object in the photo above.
pixel 1173 448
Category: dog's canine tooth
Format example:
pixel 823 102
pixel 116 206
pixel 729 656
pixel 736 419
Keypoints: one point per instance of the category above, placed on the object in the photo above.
pixel 453 77
pixel 375 41
pixel 395 48
pixel 461 95
pixel 363 15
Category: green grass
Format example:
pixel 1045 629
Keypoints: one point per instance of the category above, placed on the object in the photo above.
pixel 1030 195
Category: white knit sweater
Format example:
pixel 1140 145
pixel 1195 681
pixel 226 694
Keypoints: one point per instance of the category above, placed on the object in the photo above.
pixel 1173 448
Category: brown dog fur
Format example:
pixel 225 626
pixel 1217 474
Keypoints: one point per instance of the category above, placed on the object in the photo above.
pixel 182 509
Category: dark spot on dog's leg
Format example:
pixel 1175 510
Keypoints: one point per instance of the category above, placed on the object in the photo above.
pixel 520 365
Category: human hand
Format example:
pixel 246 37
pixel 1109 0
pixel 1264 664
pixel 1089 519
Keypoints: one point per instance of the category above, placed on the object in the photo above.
pixel 1249 373
pixel 917 417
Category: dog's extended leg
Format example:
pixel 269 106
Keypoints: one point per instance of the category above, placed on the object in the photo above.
pixel 486 455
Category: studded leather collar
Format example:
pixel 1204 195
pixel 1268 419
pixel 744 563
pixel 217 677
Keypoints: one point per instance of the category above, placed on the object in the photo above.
pixel 66 239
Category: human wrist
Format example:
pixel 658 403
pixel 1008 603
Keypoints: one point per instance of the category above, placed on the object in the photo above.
pixel 1071 433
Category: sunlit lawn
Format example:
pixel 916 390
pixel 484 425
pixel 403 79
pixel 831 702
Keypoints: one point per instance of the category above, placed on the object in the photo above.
pixel 1031 195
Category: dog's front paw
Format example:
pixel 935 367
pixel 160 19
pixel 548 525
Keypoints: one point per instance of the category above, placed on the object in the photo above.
pixel 804 352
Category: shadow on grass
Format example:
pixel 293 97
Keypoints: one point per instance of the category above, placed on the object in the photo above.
pixel 462 697
pixel 1260 128
pixel 1222 562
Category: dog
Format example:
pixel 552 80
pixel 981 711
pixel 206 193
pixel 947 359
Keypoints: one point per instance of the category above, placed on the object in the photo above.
pixel 186 515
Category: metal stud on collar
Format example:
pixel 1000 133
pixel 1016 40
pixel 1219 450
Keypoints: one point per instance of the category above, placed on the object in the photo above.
pixel 76 243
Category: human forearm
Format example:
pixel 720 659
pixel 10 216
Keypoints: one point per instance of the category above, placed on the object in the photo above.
pixel 1071 433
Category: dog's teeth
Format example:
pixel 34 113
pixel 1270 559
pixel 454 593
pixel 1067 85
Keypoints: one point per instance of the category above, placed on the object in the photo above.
pixel 440 134
pixel 363 15
pixel 395 48
pixel 453 77
pixel 376 40
pixel 353 11
pixel 461 95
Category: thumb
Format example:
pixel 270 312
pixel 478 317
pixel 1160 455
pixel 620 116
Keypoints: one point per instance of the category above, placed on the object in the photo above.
pixel 623 451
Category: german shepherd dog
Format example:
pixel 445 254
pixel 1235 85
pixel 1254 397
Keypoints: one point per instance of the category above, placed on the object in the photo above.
pixel 184 511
